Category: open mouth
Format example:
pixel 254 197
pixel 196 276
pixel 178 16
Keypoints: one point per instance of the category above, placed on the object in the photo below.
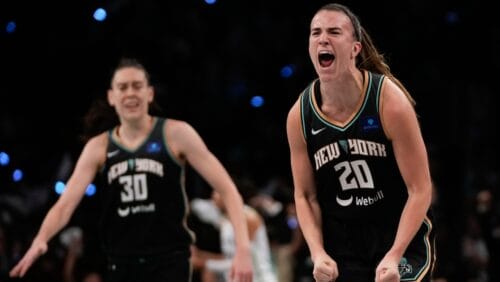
pixel 326 58
pixel 131 104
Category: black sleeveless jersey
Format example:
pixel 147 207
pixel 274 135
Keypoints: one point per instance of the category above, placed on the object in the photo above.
pixel 355 170
pixel 145 203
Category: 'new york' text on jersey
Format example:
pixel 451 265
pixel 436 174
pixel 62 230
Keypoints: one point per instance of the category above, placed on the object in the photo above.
pixel 145 205
pixel 354 166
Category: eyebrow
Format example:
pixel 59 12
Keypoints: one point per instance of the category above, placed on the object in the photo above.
pixel 330 29
pixel 129 82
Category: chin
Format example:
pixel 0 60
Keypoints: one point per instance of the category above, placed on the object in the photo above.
pixel 326 75
pixel 133 116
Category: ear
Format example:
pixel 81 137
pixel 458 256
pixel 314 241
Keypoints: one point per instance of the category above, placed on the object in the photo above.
pixel 111 101
pixel 151 94
pixel 356 49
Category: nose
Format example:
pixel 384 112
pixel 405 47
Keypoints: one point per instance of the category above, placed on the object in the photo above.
pixel 129 91
pixel 323 38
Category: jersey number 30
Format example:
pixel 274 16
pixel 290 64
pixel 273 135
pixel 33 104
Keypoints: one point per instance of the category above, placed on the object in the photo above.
pixel 135 188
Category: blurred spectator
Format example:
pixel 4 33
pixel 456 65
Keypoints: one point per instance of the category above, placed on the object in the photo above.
pixel 76 267
pixel 475 253
pixel 488 215
pixel 445 250
pixel 217 265
pixel 275 203
pixel 203 220
pixel 4 256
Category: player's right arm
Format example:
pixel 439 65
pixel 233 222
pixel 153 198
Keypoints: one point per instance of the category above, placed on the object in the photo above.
pixel 308 210
pixel 90 160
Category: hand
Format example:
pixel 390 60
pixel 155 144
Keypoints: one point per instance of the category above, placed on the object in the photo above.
pixel 325 269
pixel 196 260
pixel 387 270
pixel 388 275
pixel 37 249
pixel 241 270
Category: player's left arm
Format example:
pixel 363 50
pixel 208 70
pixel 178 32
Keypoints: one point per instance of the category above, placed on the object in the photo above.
pixel 187 144
pixel 402 128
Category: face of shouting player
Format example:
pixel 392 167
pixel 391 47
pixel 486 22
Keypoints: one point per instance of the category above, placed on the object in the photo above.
pixel 332 45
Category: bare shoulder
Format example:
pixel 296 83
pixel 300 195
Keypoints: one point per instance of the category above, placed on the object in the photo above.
pixel 294 111
pixel 396 109
pixel 181 138
pixel 98 142
pixel 176 127
pixel 95 149
pixel 180 133
pixel 293 123
pixel 393 99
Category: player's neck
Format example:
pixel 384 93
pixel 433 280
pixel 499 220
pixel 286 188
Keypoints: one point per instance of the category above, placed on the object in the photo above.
pixel 132 133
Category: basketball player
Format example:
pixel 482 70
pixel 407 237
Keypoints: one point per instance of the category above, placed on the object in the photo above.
pixel 359 163
pixel 142 161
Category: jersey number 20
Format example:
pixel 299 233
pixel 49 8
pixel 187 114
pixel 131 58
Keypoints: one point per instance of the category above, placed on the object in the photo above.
pixel 355 174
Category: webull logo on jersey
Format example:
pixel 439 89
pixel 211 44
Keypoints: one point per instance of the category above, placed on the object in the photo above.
pixel 135 165
pixel 124 212
pixel 360 200
pixel 360 147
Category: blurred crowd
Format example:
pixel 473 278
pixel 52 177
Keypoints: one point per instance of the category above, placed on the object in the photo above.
pixel 468 242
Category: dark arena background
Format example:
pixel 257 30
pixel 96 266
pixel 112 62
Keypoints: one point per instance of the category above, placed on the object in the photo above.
pixel 233 69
